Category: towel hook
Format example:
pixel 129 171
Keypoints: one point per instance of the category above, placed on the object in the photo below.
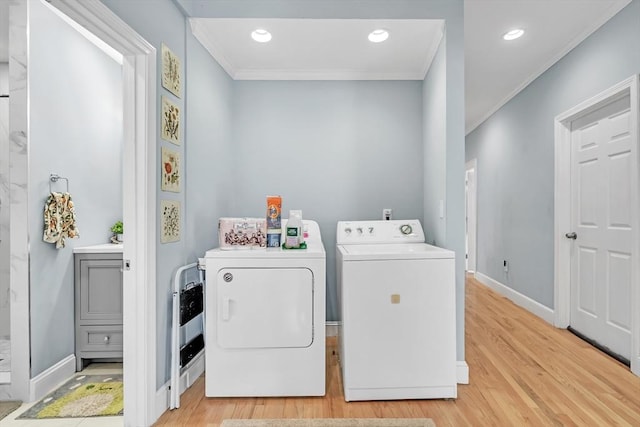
pixel 54 177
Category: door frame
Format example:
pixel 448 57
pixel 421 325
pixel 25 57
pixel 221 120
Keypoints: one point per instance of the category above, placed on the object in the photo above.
pixel 139 201
pixel 562 208
pixel 139 206
pixel 473 196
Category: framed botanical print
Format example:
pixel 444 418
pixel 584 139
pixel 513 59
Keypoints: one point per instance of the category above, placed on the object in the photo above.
pixel 169 221
pixel 170 170
pixel 171 71
pixel 170 121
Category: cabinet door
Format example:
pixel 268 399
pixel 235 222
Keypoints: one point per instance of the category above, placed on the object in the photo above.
pixel 100 291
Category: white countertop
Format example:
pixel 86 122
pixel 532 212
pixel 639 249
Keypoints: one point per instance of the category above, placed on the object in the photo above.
pixel 106 248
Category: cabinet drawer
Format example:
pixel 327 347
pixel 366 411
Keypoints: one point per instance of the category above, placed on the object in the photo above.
pixel 99 338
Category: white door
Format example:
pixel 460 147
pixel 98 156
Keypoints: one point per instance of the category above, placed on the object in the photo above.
pixel 602 162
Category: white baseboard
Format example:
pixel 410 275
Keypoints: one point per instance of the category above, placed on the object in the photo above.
pixel 5 392
pixel 462 372
pixel 162 400
pixel 542 311
pixel 332 328
pixel 188 377
pixel 48 380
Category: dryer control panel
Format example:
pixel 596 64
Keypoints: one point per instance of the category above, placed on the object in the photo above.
pixel 377 232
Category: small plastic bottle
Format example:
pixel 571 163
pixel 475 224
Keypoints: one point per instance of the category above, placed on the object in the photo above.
pixel 293 230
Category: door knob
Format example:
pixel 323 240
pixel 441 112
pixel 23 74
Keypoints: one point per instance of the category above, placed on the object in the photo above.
pixel 571 235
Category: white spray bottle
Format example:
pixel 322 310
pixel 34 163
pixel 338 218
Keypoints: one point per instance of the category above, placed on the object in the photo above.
pixel 293 230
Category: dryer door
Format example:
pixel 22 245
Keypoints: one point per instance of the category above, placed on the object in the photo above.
pixel 264 307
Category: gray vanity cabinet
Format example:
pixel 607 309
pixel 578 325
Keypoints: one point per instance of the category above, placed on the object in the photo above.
pixel 98 306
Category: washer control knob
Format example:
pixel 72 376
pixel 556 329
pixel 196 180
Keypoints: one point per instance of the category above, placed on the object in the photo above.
pixel 370 230
pixel 347 230
pixel 406 229
pixel 359 230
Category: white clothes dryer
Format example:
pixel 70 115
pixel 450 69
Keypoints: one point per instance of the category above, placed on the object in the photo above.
pixel 265 320
pixel 396 297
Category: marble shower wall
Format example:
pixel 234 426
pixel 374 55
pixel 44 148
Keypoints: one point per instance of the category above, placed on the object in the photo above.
pixel 18 234
pixel 4 201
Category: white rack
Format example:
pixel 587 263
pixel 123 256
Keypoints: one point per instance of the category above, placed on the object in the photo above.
pixel 181 351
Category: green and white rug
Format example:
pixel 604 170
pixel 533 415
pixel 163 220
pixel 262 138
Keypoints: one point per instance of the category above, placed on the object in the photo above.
pixel 331 422
pixel 83 396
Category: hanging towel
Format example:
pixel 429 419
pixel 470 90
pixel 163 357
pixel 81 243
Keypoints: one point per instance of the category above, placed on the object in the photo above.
pixel 59 219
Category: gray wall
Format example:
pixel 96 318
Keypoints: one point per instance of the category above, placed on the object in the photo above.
pixel 76 132
pixel 162 22
pixel 211 189
pixel 209 176
pixel 449 10
pixel 336 150
pixel 515 153
pixel 4 201
pixel 435 134
pixel 209 149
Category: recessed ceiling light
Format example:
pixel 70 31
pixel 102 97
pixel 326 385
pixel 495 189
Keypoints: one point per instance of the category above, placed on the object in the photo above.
pixel 513 34
pixel 261 35
pixel 379 35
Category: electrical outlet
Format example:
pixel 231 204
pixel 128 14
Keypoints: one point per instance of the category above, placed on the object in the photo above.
pixel 386 214
pixel 506 266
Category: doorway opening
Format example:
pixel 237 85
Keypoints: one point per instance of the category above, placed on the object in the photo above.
pixel 139 202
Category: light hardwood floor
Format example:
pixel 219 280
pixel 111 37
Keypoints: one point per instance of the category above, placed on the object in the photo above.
pixel 522 372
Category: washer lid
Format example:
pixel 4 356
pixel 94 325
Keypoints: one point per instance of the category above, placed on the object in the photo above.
pixel 393 251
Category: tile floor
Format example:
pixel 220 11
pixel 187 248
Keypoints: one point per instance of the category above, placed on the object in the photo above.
pixel 93 369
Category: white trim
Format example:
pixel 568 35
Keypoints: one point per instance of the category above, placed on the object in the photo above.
pixel 139 201
pixel 433 50
pixel 188 377
pixel 562 201
pixel 163 397
pixel 331 328
pixel 210 46
pixel 51 378
pixel 534 307
pixel 462 372
pixel 5 378
pixel 602 19
pixel 5 392
pixel 635 275
pixel 337 74
pixel 562 222
pixel 472 165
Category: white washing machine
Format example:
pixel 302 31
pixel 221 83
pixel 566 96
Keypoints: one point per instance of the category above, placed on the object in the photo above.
pixel 265 320
pixel 397 304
